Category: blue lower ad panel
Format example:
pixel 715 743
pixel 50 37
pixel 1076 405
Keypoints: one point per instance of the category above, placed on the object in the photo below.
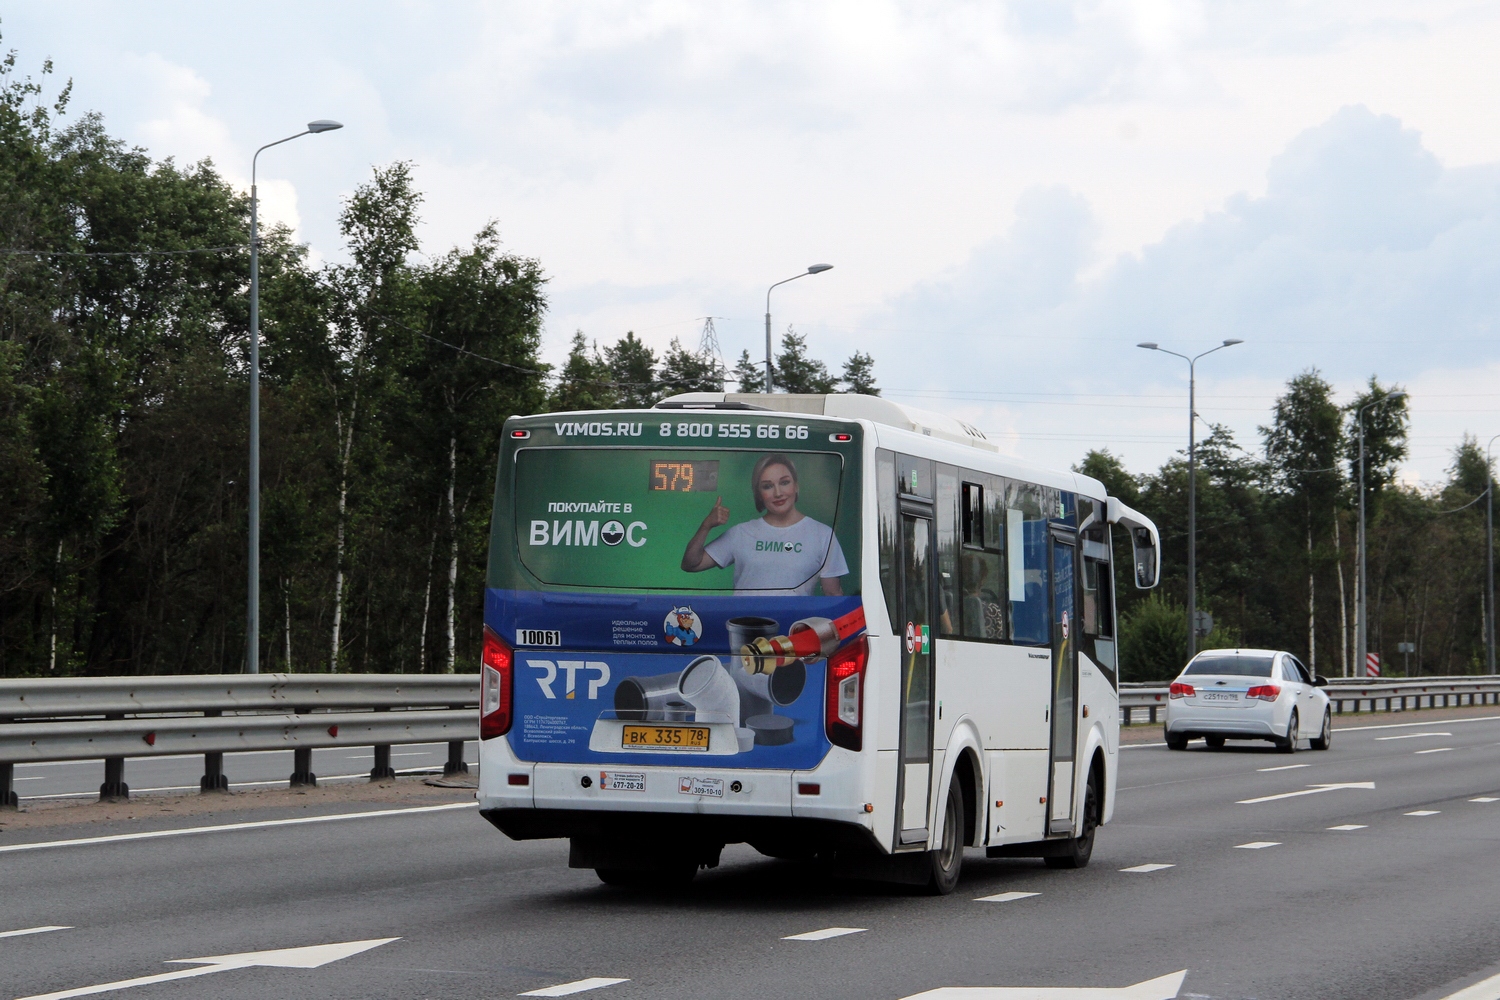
pixel 616 680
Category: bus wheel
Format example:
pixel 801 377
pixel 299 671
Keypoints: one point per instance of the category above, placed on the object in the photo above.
pixel 647 878
pixel 1081 847
pixel 945 862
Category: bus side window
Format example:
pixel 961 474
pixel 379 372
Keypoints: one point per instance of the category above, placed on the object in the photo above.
pixel 947 550
pixel 1027 510
pixel 982 603
pixel 885 489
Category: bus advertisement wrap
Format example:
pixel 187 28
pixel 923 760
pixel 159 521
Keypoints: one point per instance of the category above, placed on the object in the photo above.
pixel 705 591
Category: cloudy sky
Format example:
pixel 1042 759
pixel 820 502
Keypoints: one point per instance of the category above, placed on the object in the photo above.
pixel 1013 194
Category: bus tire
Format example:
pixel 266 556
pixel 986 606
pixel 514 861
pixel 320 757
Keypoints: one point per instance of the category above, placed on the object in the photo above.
pixel 1081 847
pixel 947 861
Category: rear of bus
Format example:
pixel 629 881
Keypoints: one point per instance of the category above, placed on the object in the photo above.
pixel 653 700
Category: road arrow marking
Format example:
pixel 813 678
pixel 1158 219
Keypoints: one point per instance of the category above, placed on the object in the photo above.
pixel 824 934
pixel 579 986
pixel 310 957
pixel 1309 790
pixel 1483 990
pixel 1161 988
pixel 1006 897
pixel 33 930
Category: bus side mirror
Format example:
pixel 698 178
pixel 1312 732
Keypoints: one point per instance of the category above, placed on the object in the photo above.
pixel 1144 541
pixel 1147 559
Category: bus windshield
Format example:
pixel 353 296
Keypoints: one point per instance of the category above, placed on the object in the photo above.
pixel 716 520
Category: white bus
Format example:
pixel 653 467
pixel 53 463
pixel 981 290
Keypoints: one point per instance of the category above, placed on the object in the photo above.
pixel 830 627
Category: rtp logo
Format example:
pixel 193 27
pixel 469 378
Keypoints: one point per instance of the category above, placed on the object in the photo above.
pixel 570 669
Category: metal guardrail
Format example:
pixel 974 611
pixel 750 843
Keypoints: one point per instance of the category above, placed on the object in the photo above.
pixel 88 718
pixel 1397 696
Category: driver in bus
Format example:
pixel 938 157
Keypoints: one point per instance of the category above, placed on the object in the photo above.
pixel 782 552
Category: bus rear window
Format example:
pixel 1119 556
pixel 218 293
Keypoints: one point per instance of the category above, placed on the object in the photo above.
pixel 727 521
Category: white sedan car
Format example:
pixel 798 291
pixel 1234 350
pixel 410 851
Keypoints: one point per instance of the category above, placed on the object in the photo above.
pixel 1248 694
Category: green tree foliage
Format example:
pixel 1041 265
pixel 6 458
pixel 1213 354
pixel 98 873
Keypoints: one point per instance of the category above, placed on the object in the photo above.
pixel 796 372
pixel 632 367
pixel 1153 639
pixel 585 382
pixel 748 375
pixel 859 374
pixel 123 348
pixel 689 371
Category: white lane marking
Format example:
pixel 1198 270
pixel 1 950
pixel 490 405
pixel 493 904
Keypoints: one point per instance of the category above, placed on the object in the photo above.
pixel 578 986
pixel 1283 767
pixel 34 930
pixel 227 827
pixel 1138 746
pixel 1413 725
pixel 1435 750
pixel 1161 988
pixel 282 958
pixel 1485 798
pixel 1148 868
pixel 1006 897
pixel 825 934
pixel 1256 845
pixel 1349 826
pixel 1423 812
pixel 1408 736
pixel 1309 790
pixel 1486 989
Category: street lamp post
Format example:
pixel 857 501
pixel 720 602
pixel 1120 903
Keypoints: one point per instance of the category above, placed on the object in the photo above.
pixel 814 269
pixel 1489 555
pixel 252 624
pixel 1192 573
pixel 1361 611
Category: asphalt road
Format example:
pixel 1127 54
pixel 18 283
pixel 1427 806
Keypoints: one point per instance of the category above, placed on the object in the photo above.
pixel 1387 892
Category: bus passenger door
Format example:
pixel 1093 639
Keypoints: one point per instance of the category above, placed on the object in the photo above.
pixel 917 593
pixel 1064 684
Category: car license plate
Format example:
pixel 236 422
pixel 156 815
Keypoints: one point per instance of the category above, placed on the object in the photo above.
pixel 1220 696
pixel 664 738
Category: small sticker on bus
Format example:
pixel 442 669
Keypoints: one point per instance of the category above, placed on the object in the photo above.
pixel 711 787
pixel 622 781
pixel 538 637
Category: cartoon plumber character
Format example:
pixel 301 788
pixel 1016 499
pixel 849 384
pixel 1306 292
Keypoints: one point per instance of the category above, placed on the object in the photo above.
pixel 781 552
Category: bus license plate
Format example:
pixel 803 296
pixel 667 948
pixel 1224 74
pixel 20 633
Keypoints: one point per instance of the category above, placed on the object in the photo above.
pixel 665 738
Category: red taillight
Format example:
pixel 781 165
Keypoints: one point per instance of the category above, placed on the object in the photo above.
pixel 846 694
pixel 495 686
pixel 1180 690
pixel 1264 692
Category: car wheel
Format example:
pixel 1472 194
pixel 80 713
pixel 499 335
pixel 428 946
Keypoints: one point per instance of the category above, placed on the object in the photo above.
pixel 1081 847
pixel 945 863
pixel 1325 738
pixel 1176 742
pixel 1288 744
pixel 1217 742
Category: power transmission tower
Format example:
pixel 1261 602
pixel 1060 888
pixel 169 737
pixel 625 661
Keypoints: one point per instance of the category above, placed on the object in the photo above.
pixel 708 344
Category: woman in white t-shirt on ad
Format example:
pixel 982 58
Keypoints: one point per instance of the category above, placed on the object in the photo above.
pixel 782 552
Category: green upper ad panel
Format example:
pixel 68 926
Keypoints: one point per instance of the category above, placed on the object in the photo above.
pixel 658 508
